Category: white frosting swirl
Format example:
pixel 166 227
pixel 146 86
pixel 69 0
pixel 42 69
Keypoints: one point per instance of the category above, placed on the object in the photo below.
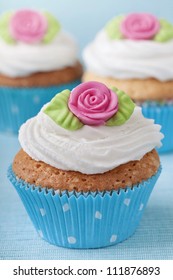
pixel 89 150
pixel 24 59
pixel 129 59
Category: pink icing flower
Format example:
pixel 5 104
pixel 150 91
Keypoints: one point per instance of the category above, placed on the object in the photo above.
pixel 28 26
pixel 93 103
pixel 140 26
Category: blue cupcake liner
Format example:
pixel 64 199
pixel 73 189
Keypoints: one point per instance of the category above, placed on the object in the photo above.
pixel 19 104
pixel 84 220
pixel 163 115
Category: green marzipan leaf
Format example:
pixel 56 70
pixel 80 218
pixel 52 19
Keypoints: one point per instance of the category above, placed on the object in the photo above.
pixel 166 32
pixel 113 28
pixel 53 28
pixel 59 112
pixel 125 109
pixel 4 28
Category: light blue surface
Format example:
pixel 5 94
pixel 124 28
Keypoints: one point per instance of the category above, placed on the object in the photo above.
pixel 85 18
pixel 19 240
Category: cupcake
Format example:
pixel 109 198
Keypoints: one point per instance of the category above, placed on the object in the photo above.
pixel 87 167
pixel 135 53
pixel 38 59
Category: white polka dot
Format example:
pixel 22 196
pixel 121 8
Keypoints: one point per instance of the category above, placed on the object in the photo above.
pixel 14 109
pixel 71 240
pixel 127 201
pixel 113 238
pixel 36 99
pixel 42 211
pixel 141 206
pixel 57 191
pixel 158 110
pixel 98 215
pixel 66 207
pixel 17 178
pixel 40 233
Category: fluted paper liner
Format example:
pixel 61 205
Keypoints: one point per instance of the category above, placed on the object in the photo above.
pixel 84 220
pixel 163 115
pixel 19 104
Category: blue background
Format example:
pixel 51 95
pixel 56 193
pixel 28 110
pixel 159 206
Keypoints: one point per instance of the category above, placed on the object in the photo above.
pixel 154 237
pixel 84 18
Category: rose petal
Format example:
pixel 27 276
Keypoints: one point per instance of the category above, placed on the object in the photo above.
pixel 28 26
pixel 93 103
pixel 97 116
pixel 101 104
pixel 140 26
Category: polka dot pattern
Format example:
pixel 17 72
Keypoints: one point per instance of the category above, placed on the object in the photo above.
pixel 98 215
pixel 141 207
pixel 36 99
pixel 127 201
pixel 14 109
pixel 113 238
pixel 85 221
pixel 71 240
pixel 43 212
pixel 66 207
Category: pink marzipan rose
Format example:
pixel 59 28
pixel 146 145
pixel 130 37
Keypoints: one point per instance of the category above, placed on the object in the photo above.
pixel 140 26
pixel 93 103
pixel 28 26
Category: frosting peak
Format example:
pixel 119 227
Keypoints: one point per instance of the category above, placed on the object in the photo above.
pixel 129 59
pixel 135 46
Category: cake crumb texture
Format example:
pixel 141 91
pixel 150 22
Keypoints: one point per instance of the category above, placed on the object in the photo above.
pixel 138 89
pixel 44 175
pixel 45 79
